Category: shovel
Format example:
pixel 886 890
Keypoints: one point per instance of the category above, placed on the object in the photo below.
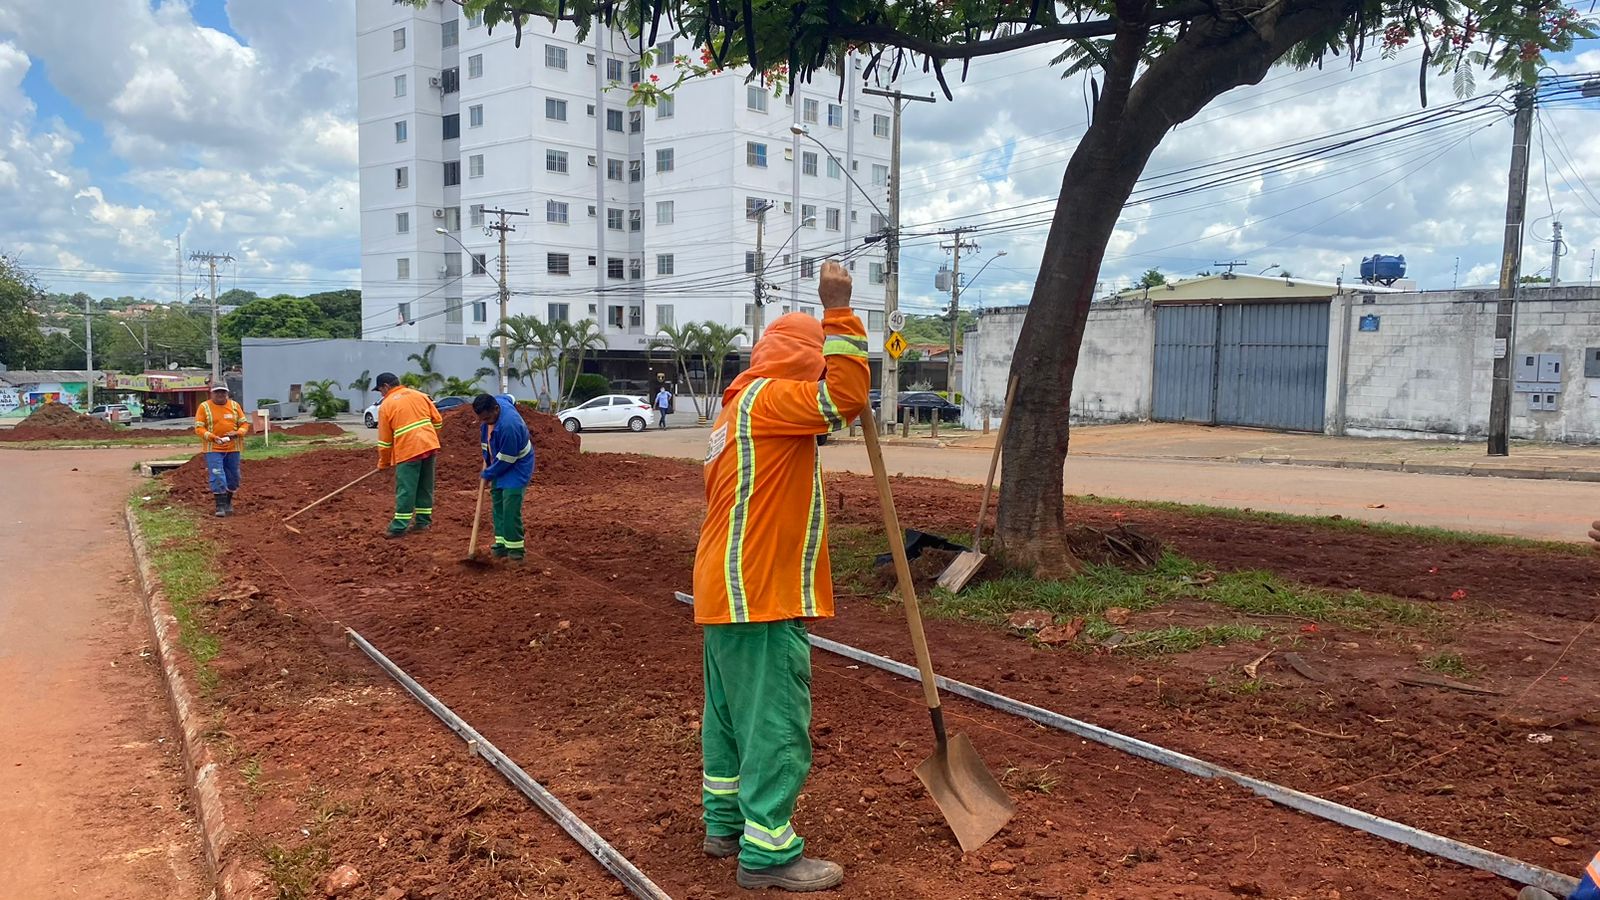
pixel 972 801
pixel 329 496
pixel 477 519
pixel 963 567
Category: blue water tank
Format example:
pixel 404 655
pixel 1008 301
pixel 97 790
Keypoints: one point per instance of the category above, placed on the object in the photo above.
pixel 1383 269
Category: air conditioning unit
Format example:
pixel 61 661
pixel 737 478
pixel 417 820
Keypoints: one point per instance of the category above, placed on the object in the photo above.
pixel 444 271
pixel 438 214
pixel 434 81
pixel 591 162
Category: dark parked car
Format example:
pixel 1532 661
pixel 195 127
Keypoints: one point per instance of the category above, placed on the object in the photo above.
pixel 445 404
pixel 922 406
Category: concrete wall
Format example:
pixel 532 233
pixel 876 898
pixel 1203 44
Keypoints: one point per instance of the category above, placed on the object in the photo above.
pixel 271 365
pixel 1113 382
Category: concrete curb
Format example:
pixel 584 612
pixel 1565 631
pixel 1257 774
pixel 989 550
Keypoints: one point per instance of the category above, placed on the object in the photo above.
pixel 234 880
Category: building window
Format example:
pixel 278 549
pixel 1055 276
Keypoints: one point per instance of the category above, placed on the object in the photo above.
pixel 614 219
pixel 591 110
pixel 755 154
pixel 614 120
pixel 475 215
pixel 452 312
pixel 880 174
pixel 399 85
pixel 808 111
pixel 833 168
pixel 555 161
pixel 555 312
pixel 475 66
pixel 402 269
pixel 749 316
pixel 880 126
pixel 480 264
pixel 558 264
pixel 404 309
pixel 452 173
pixel 635 121
pixel 614 270
pixel 665 316
pixel 590 59
pixel 613 70
pixel 400 132
pixel 875 273
pixel 555 110
pixel 808 215
pixel 402 223
pixel 450 33
pixel 450 80
pixel 475 116
pixel 633 73
pixel 808 267
pixel 399 39
pixel 636 317
pixel 808 164
pixel 452 265
pixel 475 20
pixel 451 125
pixel 475 165
pixel 664 212
pixel 664 108
pixel 833 219
pixel 635 271
pixel 664 159
pixel 615 315
pixel 664 264
pixel 614 169
pixel 555 211
pixel 664 53
pixel 635 220
pixel 754 206
pixel 402 177
pixel 751 262
pixel 554 57
pixel 835 115
pixel 480 312
pixel 635 170
pixel 755 98
pixel 874 321
pixel 878 224
pixel 452 220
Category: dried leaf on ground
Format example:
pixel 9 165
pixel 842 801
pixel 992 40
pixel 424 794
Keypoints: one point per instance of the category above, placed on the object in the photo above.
pixel 1060 634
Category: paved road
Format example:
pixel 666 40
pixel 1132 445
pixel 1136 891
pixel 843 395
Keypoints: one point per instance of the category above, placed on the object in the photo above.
pixel 1552 510
pixel 91 790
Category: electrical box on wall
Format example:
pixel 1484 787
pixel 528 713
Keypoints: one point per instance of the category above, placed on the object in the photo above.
pixel 1591 362
pixel 1539 373
pixel 1543 402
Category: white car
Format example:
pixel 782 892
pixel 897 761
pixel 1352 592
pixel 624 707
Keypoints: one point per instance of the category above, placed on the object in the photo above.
pixel 609 411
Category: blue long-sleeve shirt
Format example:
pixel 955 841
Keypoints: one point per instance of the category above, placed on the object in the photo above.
pixel 507 448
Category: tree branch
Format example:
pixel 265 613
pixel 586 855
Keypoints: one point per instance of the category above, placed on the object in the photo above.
pixel 1033 37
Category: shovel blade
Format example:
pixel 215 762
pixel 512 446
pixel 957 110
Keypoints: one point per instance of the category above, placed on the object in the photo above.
pixel 973 803
pixel 961 569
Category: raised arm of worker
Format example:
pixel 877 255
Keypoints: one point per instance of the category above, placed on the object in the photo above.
pixel 801 408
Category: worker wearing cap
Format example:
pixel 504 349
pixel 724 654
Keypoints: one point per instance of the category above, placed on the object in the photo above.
pixel 221 424
pixel 408 441
pixel 507 465
pixel 760 571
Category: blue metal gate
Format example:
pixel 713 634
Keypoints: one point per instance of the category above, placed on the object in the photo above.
pixel 1256 364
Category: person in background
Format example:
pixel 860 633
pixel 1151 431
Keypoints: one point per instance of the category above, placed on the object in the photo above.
pixel 508 466
pixel 663 406
pixel 408 441
pixel 221 424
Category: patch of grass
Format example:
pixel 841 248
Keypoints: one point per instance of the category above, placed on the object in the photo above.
pixel 294 871
pixel 1182 638
pixel 1425 533
pixel 1034 779
pixel 256 447
pixel 178 439
pixel 185 563
pixel 251 773
pixel 1447 663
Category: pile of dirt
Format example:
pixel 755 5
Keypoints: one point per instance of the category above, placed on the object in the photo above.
pixel 60 418
pixel 312 429
pixel 556 454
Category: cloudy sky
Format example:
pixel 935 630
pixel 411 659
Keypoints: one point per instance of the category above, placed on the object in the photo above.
pixel 127 123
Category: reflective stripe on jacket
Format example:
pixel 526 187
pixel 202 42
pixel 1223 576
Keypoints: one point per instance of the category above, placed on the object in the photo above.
pixel 507 449
pixel 212 421
pixel 763 553
pixel 408 426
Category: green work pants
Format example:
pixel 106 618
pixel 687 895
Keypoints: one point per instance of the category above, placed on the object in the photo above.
pixel 413 495
pixel 507 506
pixel 755 736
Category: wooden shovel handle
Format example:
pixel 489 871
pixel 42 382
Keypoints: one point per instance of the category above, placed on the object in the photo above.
pixel 331 494
pixel 994 463
pixel 902 567
pixel 477 516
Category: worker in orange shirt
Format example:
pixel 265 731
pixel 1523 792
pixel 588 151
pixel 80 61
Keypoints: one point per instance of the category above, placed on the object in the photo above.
pixel 408 441
pixel 760 571
pixel 221 424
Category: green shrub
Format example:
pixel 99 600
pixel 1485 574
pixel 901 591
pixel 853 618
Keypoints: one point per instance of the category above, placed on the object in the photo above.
pixel 588 386
pixel 265 402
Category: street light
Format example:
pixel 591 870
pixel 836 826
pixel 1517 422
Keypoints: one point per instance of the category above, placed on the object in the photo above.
pixel 505 382
pixel 805 132
pixel 1268 269
pixel 997 255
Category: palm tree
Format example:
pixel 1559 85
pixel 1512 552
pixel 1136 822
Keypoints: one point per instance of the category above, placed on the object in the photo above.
pixel 577 339
pixel 460 387
pixel 363 383
pixel 717 342
pixel 320 397
pixel 428 378
pixel 527 339
pixel 681 341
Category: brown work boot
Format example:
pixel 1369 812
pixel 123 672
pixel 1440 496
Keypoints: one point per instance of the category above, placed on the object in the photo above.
pixel 721 846
pixel 801 876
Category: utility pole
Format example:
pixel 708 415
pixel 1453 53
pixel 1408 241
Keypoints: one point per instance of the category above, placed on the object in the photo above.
pixel 955 299
pixel 505 292
pixel 88 348
pixel 1510 272
pixel 758 318
pixel 1557 250
pixel 1231 265
pixel 889 394
pixel 178 297
pixel 144 348
pixel 211 260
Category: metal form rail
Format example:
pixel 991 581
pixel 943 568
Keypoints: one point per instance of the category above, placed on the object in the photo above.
pixel 637 883
pixel 1388 829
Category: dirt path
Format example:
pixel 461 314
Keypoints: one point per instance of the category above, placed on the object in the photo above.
pixel 91 787
pixel 1549 510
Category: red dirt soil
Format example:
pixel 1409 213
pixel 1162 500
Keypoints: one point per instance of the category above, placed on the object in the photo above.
pixel 313 429
pixel 59 422
pixel 582 667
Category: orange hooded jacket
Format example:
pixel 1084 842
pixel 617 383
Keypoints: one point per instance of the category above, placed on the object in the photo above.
pixel 408 426
pixel 763 554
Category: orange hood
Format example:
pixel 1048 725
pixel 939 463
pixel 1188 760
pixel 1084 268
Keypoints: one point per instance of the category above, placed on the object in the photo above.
pixel 790 349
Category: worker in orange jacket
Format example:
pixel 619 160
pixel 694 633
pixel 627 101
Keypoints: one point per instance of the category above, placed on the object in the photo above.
pixel 408 441
pixel 221 424
pixel 760 571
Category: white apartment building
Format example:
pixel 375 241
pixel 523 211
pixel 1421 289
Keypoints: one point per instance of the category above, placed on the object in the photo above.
pixel 636 217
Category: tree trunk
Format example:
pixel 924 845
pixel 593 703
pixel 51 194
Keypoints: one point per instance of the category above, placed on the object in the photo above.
pixel 1130 121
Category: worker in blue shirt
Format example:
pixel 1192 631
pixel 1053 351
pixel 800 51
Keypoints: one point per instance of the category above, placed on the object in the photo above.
pixel 1588 884
pixel 508 467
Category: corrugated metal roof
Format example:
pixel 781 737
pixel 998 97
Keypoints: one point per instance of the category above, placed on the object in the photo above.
pixel 21 377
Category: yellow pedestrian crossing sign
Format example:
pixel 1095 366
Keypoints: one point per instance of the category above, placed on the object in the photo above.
pixel 895 345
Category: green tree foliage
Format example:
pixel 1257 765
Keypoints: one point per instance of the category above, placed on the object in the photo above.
pixel 459 387
pixel 320 396
pixel 1152 278
pixel 682 341
pixel 936 329
pixel 716 342
pixel 426 379
pixel 282 316
pixel 362 383
pixel 341 310
pixel 21 344
pixel 588 386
